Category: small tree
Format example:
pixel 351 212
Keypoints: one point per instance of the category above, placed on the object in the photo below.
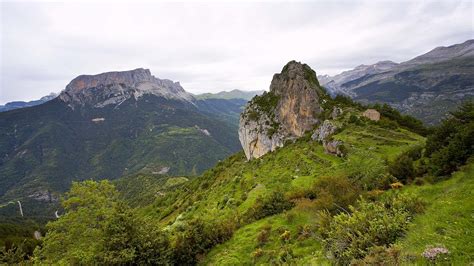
pixel 402 168
pixel 99 228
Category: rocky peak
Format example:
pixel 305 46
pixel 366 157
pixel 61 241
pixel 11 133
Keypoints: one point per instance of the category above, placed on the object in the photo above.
pixel 129 78
pixel 292 107
pixel 115 87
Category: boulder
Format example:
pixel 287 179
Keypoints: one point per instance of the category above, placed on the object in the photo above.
pixel 324 131
pixel 336 112
pixel 334 147
pixel 372 114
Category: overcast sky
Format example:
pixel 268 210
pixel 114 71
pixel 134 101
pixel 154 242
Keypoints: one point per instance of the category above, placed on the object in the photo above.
pixel 213 46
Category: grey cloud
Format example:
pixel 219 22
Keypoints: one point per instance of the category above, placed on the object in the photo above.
pixel 214 46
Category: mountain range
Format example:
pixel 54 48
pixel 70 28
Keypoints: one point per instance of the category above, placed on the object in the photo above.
pixel 427 86
pixel 110 125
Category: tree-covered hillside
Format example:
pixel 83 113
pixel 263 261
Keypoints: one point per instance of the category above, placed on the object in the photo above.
pixel 46 147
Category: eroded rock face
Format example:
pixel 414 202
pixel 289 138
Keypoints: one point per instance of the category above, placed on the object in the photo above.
pixel 256 142
pixel 286 112
pixel 116 87
pixel 324 131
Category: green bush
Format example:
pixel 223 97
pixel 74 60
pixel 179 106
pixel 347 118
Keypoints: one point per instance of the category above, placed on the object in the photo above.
pixel 198 237
pixel 286 254
pixel 387 123
pixel 350 236
pixel 380 255
pixel 402 168
pixel 365 169
pixel 263 235
pixel 415 153
pixel 335 193
pixel 347 101
pixel 265 206
pixel 13 255
pixel 99 228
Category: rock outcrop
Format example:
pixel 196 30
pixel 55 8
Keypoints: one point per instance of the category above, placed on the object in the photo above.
pixel 116 87
pixel 292 107
pixel 336 112
pixel 324 131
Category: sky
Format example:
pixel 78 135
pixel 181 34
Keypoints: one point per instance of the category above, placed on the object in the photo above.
pixel 213 46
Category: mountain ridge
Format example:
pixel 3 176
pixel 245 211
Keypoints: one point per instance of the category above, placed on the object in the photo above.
pixel 427 86
pixel 117 86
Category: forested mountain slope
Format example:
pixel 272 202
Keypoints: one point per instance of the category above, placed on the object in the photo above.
pixel 106 126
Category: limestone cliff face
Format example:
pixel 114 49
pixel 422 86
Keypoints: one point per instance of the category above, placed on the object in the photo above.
pixel 115 87
pixel 292 107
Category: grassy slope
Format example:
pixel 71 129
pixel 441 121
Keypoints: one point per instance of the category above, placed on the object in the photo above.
pixel 448 220
pixel 239 249
pixel 366 143
pixel 234 185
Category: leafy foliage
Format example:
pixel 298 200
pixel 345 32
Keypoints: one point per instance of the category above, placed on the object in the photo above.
pixel 402 168
pixel 266 206
pixel 335 193
pixel 198 237
pixel 350 235
pixel 98 227
pixel 452 143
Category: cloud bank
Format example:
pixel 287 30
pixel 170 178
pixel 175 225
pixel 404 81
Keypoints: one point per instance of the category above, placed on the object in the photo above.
pixel 210 47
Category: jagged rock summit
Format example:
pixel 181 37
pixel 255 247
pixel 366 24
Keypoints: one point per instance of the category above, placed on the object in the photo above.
pixel 116 87
pixel 293 106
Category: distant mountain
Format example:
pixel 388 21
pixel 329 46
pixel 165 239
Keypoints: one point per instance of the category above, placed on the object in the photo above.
pixel 233 94
pixel 21 104
pixel 106 126
pixel 226 104
pixel 225 109
pixel 333 83
pixel 427 86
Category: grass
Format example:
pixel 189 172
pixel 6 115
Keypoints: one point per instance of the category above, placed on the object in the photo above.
pixel 306 249
pixel 291 168
pixel 448 220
